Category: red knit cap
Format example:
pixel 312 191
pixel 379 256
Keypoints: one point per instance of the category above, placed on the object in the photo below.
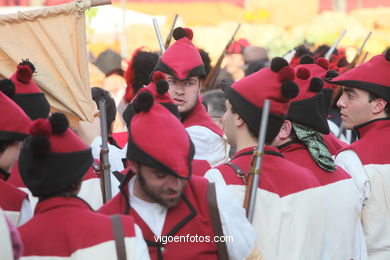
pixel 27 94
pixel 22 79
pixel 237 46
pixel 14 122
pixel 309 107
pixel 158 139
pixel 53 157
pixel 182 59
pixel 275 84
pixel 372 76
pixel 159 88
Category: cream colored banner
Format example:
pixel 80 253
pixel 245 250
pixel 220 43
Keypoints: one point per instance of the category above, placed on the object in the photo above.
pixel 54 40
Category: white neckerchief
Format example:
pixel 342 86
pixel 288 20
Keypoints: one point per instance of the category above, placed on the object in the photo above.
pixel 153 214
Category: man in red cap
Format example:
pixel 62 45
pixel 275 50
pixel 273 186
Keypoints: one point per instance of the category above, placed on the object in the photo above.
pixel 185 74
pixel 181 216
pixel 364 107
pixel 301 140
pixel 13 130
pixel 53 162
pixel 289 211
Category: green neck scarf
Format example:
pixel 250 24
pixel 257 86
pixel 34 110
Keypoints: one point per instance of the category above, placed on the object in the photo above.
pixel 315 143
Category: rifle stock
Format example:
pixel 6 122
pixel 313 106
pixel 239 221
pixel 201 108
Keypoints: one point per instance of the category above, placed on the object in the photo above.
pixel 212 77
pixel 105 173
pixel 169 37
pixel 254 173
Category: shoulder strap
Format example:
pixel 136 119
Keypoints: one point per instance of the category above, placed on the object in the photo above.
pixel 216 220
pixel 117 228
pixel 240 173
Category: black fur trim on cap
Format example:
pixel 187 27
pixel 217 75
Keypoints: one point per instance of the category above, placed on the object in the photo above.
pixel 310 112
pixel 307 59
pixel 35 105
pixel 28 63
pixel 162 86
pixel 59 123
pixel 289 89
pixel 39 145
pixel 316 84
pixel 179 33
pixel 7 87
pixel 278 63
pixel 143 102
pixel 387 54
pixel 331 74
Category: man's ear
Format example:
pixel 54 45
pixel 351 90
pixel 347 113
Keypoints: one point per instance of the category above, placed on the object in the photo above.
pixel 286 129
pixel 238 121
pixel 201 84
pixel 379 105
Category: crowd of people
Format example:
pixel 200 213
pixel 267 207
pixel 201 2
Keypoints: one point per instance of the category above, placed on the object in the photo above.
pixel 180 156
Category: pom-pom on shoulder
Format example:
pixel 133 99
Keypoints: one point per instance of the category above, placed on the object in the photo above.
pixel 24 74
pixel 162 86
pixel 387 54
pixel 181 32
pixel 289 89
pixel 323 63
pixel 28 63
pixel 316 84
pixel 331 74
pixel 286 73
pixel 307 59
pixel 143 102
pixel 303 73
pixel 7 87
pixel 278 63
pixel 59 123
pixel 40 127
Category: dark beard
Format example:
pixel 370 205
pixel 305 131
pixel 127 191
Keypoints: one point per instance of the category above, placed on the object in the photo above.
pixel 155 196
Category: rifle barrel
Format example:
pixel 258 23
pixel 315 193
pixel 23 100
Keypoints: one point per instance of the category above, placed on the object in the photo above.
pixel 105 169
pixel 334 46
pixel 260 151
pixel 158 34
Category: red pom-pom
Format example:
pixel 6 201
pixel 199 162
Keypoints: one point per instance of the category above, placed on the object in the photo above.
pixel 303 73
pixel 40 127
pixel 158 75
pixel 322 62
pixel 24 74
pixel 189 33
pixel 286 73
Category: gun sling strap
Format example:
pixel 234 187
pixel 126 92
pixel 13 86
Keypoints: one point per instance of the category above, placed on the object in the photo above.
pixel 119 237
pixel 216 221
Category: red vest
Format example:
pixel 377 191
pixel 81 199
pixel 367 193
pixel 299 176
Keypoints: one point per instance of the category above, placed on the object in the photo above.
pixel 189 217
pixel 373 143
pixel 63 225
pixel 297 153
pixel 199 117
pixel 333 143
pixel 11 198
pixel 277 175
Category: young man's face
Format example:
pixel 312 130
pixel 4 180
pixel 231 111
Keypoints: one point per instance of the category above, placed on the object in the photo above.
pixel 184 93
pixel 355 107
pixel 159 187
pixel 11 155
pixel 228 123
